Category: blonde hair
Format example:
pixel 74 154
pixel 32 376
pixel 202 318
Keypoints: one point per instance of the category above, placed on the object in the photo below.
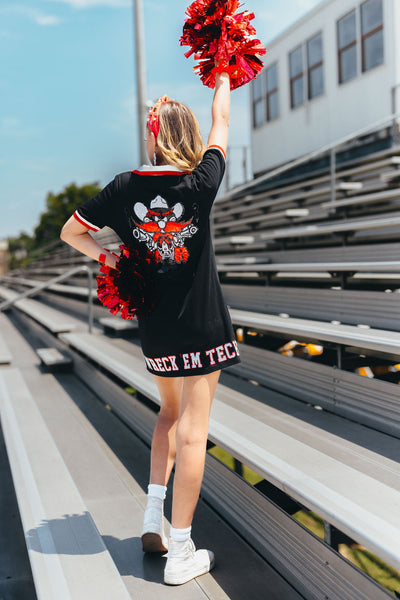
pixel 179 139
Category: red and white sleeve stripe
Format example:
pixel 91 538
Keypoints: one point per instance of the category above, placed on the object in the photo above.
pixel 85 222
pixel 218 148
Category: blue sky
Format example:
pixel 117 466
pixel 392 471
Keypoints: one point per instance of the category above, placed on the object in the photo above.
pixel 67 91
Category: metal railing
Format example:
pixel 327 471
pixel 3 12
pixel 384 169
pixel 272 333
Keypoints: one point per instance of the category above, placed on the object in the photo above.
pixel 46 284
pixel 332 148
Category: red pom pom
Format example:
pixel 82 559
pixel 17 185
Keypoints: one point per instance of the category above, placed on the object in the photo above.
pixel 131 287
pixel 215 33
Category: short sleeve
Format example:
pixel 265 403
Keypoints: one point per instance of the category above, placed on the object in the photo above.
pixel 210 171
pixel 98 212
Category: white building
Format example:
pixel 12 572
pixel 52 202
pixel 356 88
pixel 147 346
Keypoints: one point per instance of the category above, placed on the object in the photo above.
pixel 330 74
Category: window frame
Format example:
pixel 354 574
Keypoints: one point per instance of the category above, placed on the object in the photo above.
pixel 261 99
pixel 298 76
pixel 364 36
pixel 349 45
pixel 315 66
pixel 270 92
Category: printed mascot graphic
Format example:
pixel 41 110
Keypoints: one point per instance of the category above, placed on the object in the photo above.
pixel 162 231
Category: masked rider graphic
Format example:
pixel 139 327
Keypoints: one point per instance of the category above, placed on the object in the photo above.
pixel 162 231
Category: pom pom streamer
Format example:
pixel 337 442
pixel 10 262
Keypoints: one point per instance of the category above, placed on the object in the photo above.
pixel 215 33
pixel 130 288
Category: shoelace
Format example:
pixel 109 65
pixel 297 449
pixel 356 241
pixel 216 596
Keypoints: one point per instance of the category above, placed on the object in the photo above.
pixel 186 551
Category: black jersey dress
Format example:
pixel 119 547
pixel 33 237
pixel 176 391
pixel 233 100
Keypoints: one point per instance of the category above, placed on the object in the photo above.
pixel 165 211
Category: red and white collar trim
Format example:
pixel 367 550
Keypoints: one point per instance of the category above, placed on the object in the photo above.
pixel 159 170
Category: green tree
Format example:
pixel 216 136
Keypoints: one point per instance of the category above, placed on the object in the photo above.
pixel 59 208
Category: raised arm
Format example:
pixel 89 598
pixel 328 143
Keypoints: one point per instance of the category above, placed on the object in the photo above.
pixel 220 112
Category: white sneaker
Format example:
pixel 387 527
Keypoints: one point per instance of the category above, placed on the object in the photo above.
pixel 153 536
pixel 184 562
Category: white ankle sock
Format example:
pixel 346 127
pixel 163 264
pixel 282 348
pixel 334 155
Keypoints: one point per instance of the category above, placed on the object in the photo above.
pixel 157 491
pixel 180 535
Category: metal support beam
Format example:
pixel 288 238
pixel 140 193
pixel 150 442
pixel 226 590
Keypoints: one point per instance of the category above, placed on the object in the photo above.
pixel 339 356
pixel 141 82
pixel 238 467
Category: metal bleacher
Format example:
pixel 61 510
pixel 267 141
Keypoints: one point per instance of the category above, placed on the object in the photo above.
pixel 320 436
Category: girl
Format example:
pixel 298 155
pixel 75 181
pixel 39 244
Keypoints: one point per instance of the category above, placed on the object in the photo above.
pixel 188 337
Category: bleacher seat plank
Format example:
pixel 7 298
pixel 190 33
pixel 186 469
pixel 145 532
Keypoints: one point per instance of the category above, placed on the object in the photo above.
pixel 389 176
pixel 56 287
pixel 360 224
pixel 118 324
pixel 360 253
pixel 375 308
pixel 389 220
pixel 388 266
pixel 52 319
pixel 381 196
pixel 347 495
pixel 68 557
pixel 310 330
pixel 372 402
pixel 53 359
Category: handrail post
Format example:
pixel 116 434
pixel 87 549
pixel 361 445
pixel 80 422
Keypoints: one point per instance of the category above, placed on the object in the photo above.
pixel 244 164
pixel 395 129
pixel 333 174
pixel 227 170
pixel 44 285
pixel 90 300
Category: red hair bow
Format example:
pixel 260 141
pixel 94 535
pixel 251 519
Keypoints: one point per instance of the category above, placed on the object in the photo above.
pixel 152 120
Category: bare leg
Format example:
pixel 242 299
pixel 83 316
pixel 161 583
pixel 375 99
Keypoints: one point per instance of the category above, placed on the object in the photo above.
pixel 191 444
pixel 163 446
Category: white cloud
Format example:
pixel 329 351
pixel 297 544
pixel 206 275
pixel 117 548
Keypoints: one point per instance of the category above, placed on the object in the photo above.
pixel 33 14
pixel 47 20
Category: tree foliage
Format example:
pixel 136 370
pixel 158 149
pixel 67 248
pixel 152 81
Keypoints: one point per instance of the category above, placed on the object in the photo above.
pixel 59 207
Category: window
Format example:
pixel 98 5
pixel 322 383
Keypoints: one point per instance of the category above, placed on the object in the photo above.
pixel 372 34
pixel 296 77
pixel 272 93
pixel 258 102
pixel 315 67
pixel 347 47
